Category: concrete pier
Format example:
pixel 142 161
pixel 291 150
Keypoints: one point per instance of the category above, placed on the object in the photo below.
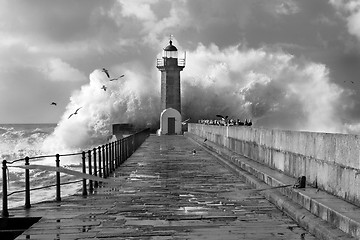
pixel 170 188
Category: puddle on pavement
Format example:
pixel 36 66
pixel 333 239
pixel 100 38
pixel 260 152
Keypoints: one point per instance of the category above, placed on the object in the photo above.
pixel 135 176
pixel 130 191
pixel 194 210
pixel 207 203
pixel 186 195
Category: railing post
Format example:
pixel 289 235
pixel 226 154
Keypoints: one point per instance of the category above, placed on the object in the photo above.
pixel 104 161
pixel 117 154
pixel 119 142
pixel 122 150
pixel 113 156
pixel 91 187
pixel 107 159
pixel 84 191
pixel 119 149
pixel 110 157
pixel 95 168
pixel 125 149
pixel 58 193
pixel 129 147
pixel 99 153
pixel 27 184
pixel 124 143
pixel 5 211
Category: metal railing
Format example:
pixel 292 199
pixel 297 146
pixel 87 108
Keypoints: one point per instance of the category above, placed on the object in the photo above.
pixel 102 161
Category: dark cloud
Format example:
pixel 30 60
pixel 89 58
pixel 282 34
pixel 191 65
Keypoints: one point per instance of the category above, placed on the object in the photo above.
pixel 59 21
pixel 206 13
pixel 220 23
pixel 25 96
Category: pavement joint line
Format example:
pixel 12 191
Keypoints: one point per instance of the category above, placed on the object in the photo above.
pixel 312 223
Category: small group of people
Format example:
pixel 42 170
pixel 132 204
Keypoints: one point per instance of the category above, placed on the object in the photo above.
pixel 226 122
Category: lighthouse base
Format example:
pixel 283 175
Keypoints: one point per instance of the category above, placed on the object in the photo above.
pixel 170 122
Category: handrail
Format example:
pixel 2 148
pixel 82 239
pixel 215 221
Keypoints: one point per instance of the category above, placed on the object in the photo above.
pixel 44 156
pixel 102 161
pixel 39 188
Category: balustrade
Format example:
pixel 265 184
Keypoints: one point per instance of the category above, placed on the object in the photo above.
pixel 109 157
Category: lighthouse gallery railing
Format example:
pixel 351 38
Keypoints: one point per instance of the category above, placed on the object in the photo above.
pixel 162 62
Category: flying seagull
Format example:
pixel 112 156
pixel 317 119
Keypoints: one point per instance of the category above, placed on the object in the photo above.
pixel 106 72
pixel 104 87
pixel 53 103
pixel 74 112
pixel 113 79
pixel 185 121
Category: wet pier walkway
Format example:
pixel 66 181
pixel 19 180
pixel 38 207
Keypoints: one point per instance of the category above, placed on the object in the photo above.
pixel 165 191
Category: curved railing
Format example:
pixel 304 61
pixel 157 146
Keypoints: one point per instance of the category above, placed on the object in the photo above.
pixel 101 162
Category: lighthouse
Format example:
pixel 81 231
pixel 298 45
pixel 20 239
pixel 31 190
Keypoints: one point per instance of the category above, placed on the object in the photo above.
pixel 170 67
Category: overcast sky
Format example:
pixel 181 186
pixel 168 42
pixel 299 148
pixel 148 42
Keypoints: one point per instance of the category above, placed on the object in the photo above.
pixel 283 63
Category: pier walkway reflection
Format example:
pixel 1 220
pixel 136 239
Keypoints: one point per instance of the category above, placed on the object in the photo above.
pixel 165 190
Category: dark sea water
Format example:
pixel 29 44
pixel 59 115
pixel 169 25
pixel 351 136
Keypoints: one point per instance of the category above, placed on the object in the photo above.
pixel 20 140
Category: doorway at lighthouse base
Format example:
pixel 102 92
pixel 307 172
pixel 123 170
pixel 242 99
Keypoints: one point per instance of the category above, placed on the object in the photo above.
pixel 170 122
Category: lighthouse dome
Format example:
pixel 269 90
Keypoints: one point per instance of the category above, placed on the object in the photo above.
pixel 170 47
pixel 170 51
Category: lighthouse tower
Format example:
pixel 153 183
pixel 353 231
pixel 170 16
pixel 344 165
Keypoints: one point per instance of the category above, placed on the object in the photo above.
pixel 170 66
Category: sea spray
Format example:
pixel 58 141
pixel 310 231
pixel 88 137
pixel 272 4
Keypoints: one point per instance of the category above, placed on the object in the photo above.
pixel 273 88
pixel 132 99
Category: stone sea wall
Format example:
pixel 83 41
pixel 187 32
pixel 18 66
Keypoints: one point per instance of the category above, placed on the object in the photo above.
pixel 329 161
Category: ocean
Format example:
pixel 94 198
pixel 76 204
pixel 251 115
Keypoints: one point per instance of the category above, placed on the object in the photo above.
pixel 20 140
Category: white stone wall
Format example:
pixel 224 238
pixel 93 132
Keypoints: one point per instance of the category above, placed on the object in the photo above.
pixel 168 113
